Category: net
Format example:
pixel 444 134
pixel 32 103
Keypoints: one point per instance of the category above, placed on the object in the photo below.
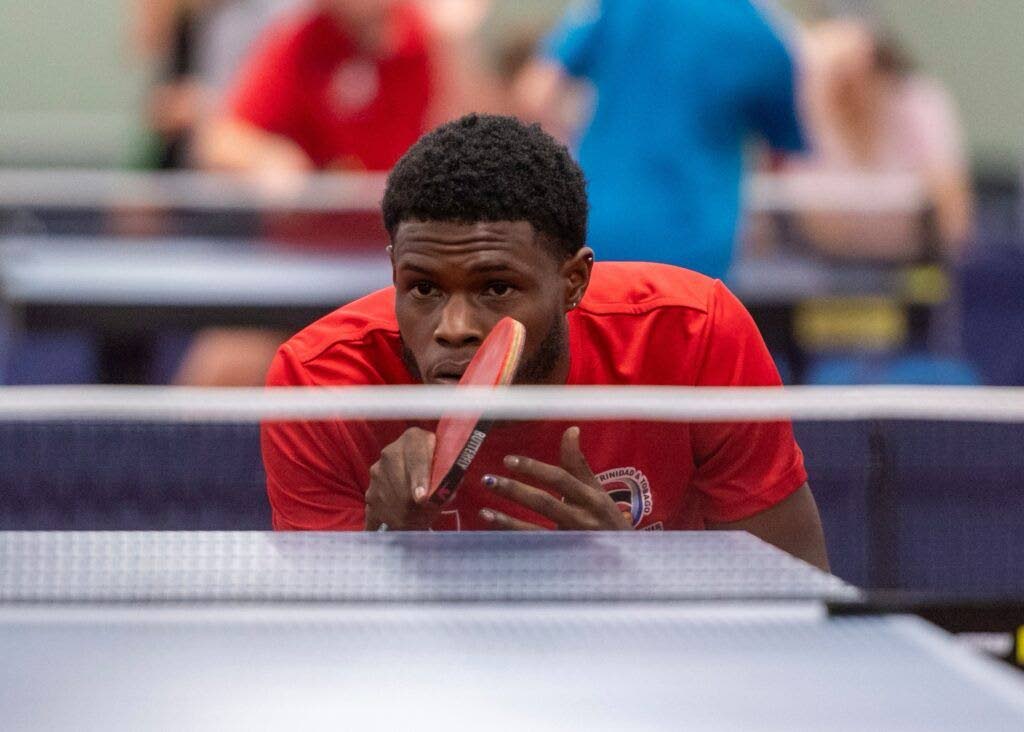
pixel 918 488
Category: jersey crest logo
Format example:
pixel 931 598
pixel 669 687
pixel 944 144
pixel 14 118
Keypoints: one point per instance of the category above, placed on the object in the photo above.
pixel 630 490
pixel 355 85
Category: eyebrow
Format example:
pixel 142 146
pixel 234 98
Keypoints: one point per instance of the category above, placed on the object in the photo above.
pixel 484 268
pixel 415 268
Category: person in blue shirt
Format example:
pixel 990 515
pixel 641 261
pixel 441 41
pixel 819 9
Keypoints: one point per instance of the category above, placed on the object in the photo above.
pixel 681 88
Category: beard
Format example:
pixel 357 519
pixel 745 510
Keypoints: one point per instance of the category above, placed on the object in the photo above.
pixel 537 369
pixel 410 361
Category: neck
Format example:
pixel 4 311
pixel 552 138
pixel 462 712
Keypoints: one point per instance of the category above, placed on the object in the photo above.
pixel 560 374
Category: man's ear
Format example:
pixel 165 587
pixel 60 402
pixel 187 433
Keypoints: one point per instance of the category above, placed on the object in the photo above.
pixel 576 273
pixel 394 269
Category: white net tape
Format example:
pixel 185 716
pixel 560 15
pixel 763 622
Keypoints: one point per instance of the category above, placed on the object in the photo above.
pixel 683 404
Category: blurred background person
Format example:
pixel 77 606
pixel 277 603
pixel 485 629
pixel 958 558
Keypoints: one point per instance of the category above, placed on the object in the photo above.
pixel 347 85
pixel 870 112
pixel 164 35
pixel 681 87
pixel 193 48
pixel 336 85
pixel 342 84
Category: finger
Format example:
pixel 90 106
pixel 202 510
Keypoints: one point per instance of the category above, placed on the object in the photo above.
pixel 419 456
pixel 501 522
pixel 573 460
pixel 371 522
pixel 558 479
pixel 538 501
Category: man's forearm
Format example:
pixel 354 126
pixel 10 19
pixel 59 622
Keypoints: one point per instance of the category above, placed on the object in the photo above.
pixel 234 145
pixel 792 525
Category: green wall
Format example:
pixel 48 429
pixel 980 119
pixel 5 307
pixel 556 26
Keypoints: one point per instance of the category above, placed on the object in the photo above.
pixel 977 48
pixel 68 92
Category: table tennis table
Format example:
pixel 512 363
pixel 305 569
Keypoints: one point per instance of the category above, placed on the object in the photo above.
pixel 555 630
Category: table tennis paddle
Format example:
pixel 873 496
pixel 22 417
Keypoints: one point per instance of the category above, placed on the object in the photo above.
pixel 459 437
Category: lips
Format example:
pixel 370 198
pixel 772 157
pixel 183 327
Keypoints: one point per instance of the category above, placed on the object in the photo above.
pixel 447 372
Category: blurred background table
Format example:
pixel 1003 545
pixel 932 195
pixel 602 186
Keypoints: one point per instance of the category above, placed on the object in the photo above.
pixel 140 285
pixel 131 286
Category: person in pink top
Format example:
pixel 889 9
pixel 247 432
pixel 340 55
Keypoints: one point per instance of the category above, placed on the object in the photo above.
pixel 868 111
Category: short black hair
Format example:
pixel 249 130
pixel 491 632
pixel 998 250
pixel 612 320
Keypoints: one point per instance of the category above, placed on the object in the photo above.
pixel 491 168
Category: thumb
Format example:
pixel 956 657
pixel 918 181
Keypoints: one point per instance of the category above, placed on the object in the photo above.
pixel 572 457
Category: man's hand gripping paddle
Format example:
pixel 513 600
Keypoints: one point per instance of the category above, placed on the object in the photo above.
pixel 459 437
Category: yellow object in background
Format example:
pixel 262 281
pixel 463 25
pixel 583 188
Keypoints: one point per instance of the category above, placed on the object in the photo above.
pixel 863 323
pixel 927 285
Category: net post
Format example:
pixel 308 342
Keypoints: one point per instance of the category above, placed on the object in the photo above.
pixel 882 511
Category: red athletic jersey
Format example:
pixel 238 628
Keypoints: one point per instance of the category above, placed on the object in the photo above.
pixel 309 82
pixel 639 323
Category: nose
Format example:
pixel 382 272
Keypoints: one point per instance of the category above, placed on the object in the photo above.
pixel 458 326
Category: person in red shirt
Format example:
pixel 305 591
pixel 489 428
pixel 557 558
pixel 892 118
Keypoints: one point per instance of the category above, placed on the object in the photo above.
pixel 344 84
pixel 337 85
pixel 340 85
pixel 487 219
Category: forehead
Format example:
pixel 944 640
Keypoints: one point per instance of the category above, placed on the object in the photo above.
pixel 447 240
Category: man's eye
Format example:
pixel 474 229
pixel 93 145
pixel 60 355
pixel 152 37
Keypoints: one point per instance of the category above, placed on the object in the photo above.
pixel 424 289
pixel 499 289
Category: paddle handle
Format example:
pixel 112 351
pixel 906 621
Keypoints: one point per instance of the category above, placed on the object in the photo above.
pixel 445 490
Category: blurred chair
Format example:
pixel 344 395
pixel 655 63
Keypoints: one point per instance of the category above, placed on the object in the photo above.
pixel 905 369
pixel 921 368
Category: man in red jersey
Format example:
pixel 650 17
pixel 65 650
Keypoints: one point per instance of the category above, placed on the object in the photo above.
pixel 344 84
pixel 487 219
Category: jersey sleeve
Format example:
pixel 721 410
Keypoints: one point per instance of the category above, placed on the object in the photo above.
pixel 576 39
pixel 265 91
pixel 741 468
pixel 773 108
pixel 316 472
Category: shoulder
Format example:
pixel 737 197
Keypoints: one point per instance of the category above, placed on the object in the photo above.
pixel 646 323
pixel 410 31
pixel 412 22
pixel 356 344
pixel 634 288
pixel 924 96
